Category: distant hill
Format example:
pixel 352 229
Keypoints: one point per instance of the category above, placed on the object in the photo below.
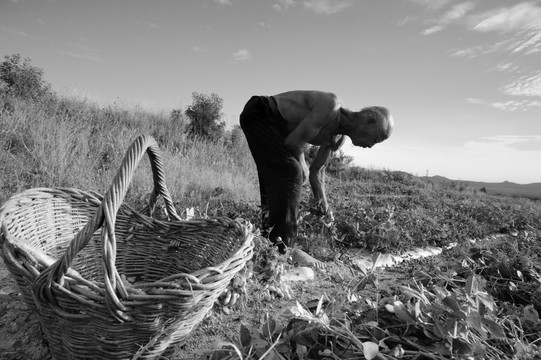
pixel 503 188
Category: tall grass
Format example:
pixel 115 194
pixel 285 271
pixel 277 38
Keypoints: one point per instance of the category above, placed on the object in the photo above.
pixel 68 142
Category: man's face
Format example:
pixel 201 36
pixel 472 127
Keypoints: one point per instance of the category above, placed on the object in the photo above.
pixel 367 134
pixel 363 141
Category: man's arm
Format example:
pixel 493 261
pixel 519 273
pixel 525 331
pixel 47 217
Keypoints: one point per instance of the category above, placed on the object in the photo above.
pixel 304 167
pixel 317 178
pixel 297 140
pixel 317 175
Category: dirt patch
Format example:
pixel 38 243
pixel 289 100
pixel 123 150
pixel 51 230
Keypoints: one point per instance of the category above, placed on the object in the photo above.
pixel 20 336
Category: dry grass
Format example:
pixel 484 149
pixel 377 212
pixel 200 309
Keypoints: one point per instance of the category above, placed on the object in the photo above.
pixel 67 142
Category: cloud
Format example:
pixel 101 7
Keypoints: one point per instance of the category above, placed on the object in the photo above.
pixel 519 17
pixel 480 50
pixel 521 87
pixel 509 105
pixel 504 67
pixel 502 142
pixel 526 85
pixel 326 7
pixel 223 2
pixel 15 32
pixel 521 23
pixel 153 25
pixel 79 51
pixel 283 5
pixel 455 13
pixel 198 49
pixel 242 55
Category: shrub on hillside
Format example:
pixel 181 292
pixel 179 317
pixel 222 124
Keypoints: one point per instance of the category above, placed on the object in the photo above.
pixel 19 78
pixel 205 113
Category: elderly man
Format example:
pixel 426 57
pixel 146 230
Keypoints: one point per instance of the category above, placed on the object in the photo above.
pixel 279 128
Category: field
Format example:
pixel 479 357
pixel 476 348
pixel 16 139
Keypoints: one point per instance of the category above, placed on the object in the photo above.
pixel 479 298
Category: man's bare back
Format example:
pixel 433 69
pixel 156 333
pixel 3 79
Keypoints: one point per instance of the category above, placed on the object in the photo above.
pixel 316 110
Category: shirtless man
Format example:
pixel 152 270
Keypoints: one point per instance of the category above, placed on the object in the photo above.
pixel 279 128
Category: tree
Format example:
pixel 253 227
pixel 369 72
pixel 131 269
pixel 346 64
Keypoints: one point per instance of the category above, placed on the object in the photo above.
pixel 21 79
pixel 205 114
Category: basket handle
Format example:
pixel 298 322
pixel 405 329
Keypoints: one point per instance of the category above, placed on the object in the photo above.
pixel 105 217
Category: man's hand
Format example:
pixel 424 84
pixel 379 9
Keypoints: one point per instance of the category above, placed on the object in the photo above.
pixel 305 172
pixel 329 217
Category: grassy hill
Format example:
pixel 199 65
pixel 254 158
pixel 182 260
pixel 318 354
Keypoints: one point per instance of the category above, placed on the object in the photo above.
pixel 71 143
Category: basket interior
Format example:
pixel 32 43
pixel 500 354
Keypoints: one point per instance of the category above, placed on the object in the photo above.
pixel 147 249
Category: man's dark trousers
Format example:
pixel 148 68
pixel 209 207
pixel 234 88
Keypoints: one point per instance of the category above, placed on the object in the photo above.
pixel 280 174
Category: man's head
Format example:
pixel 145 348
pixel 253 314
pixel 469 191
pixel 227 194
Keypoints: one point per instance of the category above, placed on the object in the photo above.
pixel 375 125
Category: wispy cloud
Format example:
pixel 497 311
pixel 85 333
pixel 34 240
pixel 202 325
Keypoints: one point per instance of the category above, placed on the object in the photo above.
pixel 16 32
pixel 223 2
pixel 452 15
pixel 79 51
pixel 242 55
pixel 526 85
pixel 327 7
pixel 283 5
pixel 516 142
pixel 521 16
pixel 153 25
pixel 508 67
pixel 198 49
pixel 521 23
pixel 509 105
pixel 480 50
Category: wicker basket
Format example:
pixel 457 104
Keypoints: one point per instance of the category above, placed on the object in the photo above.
pixel 108 282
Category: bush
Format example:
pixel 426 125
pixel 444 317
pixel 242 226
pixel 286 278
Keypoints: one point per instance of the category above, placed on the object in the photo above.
pixel 204 114
pixel 20 79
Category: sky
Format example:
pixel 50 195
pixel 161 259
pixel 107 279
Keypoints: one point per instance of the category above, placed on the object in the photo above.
pixel 461 78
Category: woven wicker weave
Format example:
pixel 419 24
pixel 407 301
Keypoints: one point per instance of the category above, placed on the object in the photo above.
pixel 108 282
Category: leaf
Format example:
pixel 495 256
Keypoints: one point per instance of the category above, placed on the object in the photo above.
pixel 487 300
pixel 305 338
pixel 493 328
pixel 439 330
pixel 376 260
pixel 301 352
pixel 269 327
pixel 225 344
pixel 474 321
pixel 370 350
pixel 402 312
pixel 530 314
pixel 415 293
pixel 472 285
pixel 245 336
pixel 417 310
pixel 462 347
pixel 319 306
pixel 430 334
pixel 362 284
pixel 453 305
